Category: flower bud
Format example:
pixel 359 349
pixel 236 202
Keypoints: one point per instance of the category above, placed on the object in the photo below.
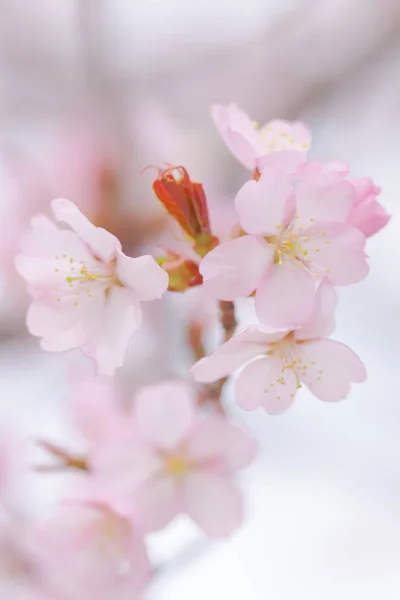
pixel 186 202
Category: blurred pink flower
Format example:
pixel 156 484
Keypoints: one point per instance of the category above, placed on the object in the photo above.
pixel 282 360
pixel 98 410
pixel 296 237
pixel 367 214
pixel 72 162
pixel 183 461
pixel 90 550
pixel 86 292
pixel 278 143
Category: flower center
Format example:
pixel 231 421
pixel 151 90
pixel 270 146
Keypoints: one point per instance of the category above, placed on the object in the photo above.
pixel 274 139
pixel 293 245
pixel 177 465
pixel 78 277
pixel 288 246
pixel 286 351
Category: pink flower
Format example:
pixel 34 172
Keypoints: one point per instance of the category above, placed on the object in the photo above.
pixel 98 409
pixel 277 144
pixel 86 292
pixel 183 461
pixel 281 361
pixel 296 237
pixel 90 550
pixel 367 214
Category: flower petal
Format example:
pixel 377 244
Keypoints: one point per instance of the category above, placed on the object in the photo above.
pixel 101 242
pixel 261 204
pixel 324 198
pixel 286 161
pixel 339 253
pixel 63 327
pixel 238 133
pixel 228 357
pixel 41 249
pixel 214 502
pixel 164 413
pixel 157 502
pixel 218 441
pixel 234 268
pixel 285 296
pixel 121 317
pixel 322 320
pixel 263 383
pixel 142 275
pixel 331 367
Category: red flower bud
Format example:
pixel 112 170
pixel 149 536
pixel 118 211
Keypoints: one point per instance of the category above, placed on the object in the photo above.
pixel 186 202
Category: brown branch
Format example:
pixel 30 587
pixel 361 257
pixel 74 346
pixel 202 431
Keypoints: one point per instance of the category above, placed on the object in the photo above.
pixel 65 460
pixel 212 393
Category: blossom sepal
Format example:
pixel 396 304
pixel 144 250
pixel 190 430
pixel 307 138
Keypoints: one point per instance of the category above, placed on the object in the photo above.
pixel 183 272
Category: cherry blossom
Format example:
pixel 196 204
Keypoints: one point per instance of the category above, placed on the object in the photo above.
pixel 276 144
pixel 86 291
pixel 294 236
pixel 105 555
pixel 182 461
pixel 367 214
pixel 282 361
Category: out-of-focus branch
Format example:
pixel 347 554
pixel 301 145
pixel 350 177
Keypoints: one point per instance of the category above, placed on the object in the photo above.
pixel 212 393
pixel 64 458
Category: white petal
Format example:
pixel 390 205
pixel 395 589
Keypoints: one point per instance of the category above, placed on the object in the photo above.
pixel 102 243
pixel 142 275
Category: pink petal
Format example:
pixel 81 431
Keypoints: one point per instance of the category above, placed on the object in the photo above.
pixel 46 240
pixel 339 253
pixel 325 198
pixel 234 268
pixel 157 502
pixel 219 442
pixel 238 133
pixel 142 275
pixel 125 464
pixel 261 204
pixel 63 327
pixel 263 383
pixel 164 413
pixel 285 296
pixel 37 262
pixel 322 320
pixel 286 161
pixel 228 357
pixel 369 216
pixel 98 409
pixel 214 502
pixel 102 243
pixel 121 317
pixel 331 367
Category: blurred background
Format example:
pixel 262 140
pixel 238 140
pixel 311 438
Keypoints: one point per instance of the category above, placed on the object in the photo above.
pixel 93 91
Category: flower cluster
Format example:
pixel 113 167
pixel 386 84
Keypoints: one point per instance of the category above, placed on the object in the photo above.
pixel 300 231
